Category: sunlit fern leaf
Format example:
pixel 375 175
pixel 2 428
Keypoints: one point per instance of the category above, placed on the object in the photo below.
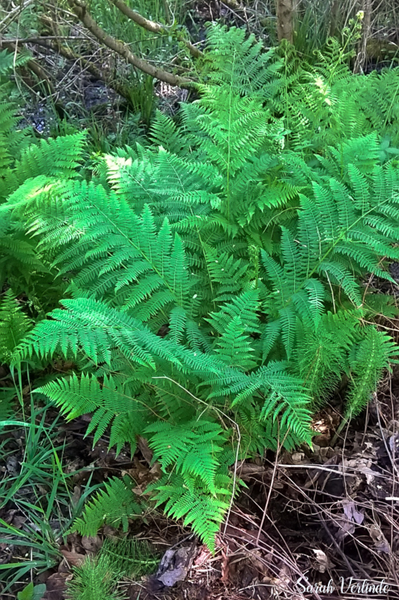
pixel 58 157
pixel 237 60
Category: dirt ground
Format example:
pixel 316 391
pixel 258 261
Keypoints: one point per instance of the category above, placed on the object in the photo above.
pixel 317 523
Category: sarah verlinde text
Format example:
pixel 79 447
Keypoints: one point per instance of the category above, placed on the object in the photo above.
pixel 348 585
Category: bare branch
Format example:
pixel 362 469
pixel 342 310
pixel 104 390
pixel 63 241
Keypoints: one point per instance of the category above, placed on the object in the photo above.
pixel 11 16
pixel 153 26
pixel 139 19
pixel 123 50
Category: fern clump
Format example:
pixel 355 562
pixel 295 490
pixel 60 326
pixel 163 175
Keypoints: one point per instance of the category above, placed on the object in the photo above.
pixel 12 140
pixel 215 292
pixel 22 266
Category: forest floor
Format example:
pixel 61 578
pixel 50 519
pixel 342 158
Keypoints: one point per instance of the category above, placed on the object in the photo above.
pixel 324 514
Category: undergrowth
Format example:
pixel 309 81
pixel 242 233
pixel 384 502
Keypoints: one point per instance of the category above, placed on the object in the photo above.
pixel 118 559
pixel 43 507
pixel 214 278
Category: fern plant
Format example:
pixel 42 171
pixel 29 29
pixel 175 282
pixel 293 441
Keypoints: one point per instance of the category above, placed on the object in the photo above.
pixel 12 141
pixel 22 266
pixel 215 276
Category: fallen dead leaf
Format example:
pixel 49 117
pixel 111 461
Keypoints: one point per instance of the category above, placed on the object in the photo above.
pixel 92 543
pixel 77 492
pixel 380 541
pixel 56 586
pixel 74 559
pixel 297 458
pixel 322 563
pixel 351 513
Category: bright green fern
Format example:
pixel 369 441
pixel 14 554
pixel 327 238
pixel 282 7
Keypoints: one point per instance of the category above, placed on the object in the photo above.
pixel 215 278
pixel 113 506
pixel 14 325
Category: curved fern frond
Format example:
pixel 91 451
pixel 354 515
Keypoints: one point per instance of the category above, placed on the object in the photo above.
pixel 110 405
pixel 113 506
pixel 14 325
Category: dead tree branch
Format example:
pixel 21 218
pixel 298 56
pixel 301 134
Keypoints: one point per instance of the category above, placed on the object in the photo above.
pixel 153 26
pixel 123 50
pixel 33 66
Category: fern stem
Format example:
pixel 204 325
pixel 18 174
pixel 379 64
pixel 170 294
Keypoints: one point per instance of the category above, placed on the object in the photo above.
pixel 337 433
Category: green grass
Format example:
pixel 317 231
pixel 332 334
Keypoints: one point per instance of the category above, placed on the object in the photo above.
pixel 41 493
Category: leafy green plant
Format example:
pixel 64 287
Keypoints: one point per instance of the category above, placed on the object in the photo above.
pixel 114 505
pixel 14 325
pixel 94 579
pixel 32 592
pixel 216 292
pixel 11 140
pixel 118 559
pixel 22 267
pixel 131 557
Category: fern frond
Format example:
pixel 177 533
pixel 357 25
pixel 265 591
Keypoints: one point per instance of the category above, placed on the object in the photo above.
pixel 238 61
pixel 109 404
pixel 373 354
pixel 191 448
pixel 14 325
pixel 58 157
pixel 190 501
pixel 234 346
pixel 9 61
pixel 114 506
